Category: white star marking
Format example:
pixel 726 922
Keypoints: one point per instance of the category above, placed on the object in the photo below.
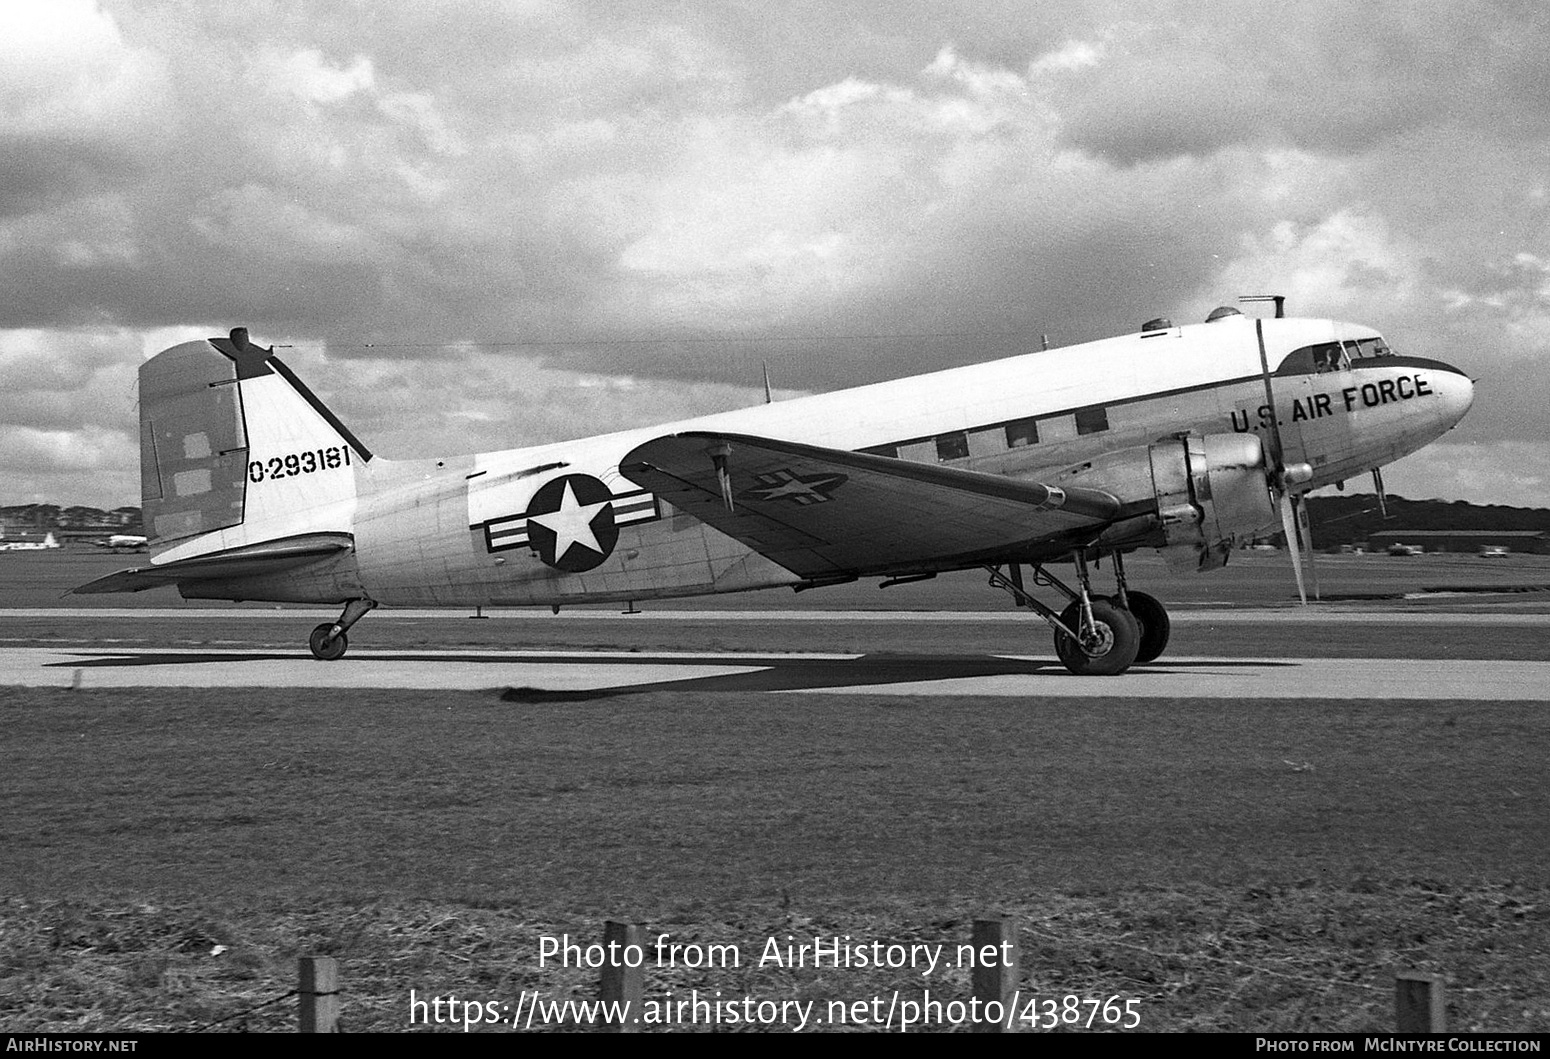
pixel 572 524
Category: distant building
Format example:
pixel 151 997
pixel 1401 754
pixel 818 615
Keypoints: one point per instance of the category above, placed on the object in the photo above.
pixel 1535 542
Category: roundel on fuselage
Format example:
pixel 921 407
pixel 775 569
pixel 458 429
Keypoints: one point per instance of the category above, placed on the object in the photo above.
pixel 570 523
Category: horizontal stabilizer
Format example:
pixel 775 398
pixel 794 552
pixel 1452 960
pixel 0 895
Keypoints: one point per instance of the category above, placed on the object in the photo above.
pixel 252 560
pixel 823 512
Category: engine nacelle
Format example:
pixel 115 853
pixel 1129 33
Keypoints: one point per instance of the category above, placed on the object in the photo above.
pixel 1210 491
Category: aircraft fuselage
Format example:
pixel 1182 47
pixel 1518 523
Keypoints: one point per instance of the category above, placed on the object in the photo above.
pixel 562 524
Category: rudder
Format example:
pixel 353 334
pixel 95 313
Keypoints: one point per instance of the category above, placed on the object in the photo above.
pixel 229 435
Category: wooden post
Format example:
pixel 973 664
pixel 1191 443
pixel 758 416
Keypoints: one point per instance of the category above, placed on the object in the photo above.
pixel 318 992
pixel 623 984
pixel 1419 1006
pixel 994 975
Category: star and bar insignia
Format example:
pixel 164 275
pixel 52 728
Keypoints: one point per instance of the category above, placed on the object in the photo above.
pixel 801 489
pixel 572 523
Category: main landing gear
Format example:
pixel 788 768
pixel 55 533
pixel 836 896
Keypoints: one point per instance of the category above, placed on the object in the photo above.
pixel 328 641
pixel 1094 635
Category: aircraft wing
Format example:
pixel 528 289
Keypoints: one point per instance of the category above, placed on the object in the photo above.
pixel 823 512
pixel 251 560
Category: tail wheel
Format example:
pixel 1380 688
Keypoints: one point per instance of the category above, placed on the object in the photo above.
pixel 1155 626
pixel 1107 649
pixel 326 648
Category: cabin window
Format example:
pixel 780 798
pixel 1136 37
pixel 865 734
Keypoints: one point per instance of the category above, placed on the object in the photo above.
pixel 1022 433
pixel 1092 421
pixel 954 446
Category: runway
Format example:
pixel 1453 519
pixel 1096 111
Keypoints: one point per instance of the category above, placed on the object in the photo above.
pixel 580 675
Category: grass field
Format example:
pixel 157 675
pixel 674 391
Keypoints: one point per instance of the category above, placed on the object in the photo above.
pixel 1234 866
pixel 1231 866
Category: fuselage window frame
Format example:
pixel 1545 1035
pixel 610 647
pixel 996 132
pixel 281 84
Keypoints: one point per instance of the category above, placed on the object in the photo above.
pixel 1094 420
pixel 1021 433
pixel 952 446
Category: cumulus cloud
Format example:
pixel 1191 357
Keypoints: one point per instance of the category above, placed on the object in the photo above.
pixel 1514 473
pixel 530 195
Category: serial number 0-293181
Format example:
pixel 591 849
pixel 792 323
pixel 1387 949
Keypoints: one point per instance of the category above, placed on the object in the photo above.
pixel 295 463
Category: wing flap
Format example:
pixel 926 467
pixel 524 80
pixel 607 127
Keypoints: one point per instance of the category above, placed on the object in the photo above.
pixel 250 560
pixel 823 512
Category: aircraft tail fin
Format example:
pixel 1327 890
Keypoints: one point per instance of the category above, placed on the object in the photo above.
pixel 230 436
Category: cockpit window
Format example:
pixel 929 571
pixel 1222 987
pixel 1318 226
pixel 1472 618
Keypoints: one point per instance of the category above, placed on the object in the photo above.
pixel 1314 360
pixel 1373 347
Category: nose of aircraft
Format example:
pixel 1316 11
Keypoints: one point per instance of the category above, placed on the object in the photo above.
pixel 1457 392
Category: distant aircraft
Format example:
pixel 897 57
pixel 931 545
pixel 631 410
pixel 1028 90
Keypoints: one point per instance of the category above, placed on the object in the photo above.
pixel 46 543
pixel 1187 439
pixel 124 540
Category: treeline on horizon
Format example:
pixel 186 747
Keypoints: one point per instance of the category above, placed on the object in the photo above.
pixel 54 517
pixel 1338 520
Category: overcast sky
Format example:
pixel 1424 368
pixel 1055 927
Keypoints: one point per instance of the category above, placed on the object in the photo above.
pixel 485 224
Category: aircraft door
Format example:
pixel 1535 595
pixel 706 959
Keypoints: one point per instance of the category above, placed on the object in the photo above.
pixel 1296 404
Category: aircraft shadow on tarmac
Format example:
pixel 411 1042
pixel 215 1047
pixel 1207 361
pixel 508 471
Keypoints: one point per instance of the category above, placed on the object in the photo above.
pixel 775 672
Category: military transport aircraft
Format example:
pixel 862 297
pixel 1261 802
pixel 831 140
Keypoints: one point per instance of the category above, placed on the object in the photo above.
pixel 47 543
pixel 1187 439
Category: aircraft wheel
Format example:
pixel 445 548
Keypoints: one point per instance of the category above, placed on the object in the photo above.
pixel 1155 626
pixel 1112 647
pixel 324 647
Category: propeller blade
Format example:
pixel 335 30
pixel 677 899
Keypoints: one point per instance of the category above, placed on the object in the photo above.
pixel 1305 528
pixel 1377 487
pixel 1277 453
pixel 1289 527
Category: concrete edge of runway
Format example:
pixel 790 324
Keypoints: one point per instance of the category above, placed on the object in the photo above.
pixel 551 675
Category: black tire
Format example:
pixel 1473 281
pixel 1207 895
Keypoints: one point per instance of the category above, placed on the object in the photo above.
pixel 326 648
pixel 1152 617
pixel 1118 638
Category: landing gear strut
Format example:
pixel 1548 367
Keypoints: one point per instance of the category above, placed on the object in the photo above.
pixel 1094 635
pixel 328 641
